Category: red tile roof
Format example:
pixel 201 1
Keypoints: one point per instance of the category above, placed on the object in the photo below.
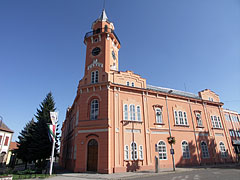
pixel 4 127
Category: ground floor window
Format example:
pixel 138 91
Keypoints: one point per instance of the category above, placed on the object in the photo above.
pixel 223 150
pixel 204 148
pixel 162 150
pixel 185 150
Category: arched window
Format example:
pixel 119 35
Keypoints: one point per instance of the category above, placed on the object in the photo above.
pixel 134 154
pixel 185 150
pixel 132 112
pixel 138 113
pixel 94 109
pixel 158 112
pixel 94 77
pixel 162 150
pixel 223 150
pixel 204 148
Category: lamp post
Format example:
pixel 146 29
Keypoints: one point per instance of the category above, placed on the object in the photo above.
pixel 170 133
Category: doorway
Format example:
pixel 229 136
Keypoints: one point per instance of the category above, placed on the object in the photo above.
pixel 92 155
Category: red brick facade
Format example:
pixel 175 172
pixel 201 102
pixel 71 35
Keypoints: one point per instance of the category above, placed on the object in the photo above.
pixel 118 123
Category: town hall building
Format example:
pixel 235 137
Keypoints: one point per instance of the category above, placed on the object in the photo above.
pixel 119 123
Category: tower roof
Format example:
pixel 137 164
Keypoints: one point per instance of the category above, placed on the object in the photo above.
pixel 103 16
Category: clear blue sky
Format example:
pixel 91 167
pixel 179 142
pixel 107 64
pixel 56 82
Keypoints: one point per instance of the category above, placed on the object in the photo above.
pixel 170 43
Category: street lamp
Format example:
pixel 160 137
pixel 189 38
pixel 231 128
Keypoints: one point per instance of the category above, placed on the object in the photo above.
pixel 170 133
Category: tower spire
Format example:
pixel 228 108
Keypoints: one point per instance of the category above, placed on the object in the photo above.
pixel 103 16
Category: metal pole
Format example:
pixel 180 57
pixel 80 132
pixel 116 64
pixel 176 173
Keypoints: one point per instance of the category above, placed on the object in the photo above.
pixel 51 165
pixel 170 134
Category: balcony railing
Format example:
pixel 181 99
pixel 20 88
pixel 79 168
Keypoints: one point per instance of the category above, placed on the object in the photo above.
pixel 100 30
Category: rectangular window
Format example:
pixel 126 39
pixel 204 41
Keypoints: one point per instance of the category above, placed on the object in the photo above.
pixel 219 122
pixel 96 76
pixel 199 119
pixel 213 125
pixel 216 122
pixel 185 118
pixel 227 117
pixel 126 152
pixel 158 115
pixel 138 113
pixel 6 141
pixel 132 112
pixel 180 117
pixel 92 77
pixel 176 117
pixel 125 111
pixel 141 152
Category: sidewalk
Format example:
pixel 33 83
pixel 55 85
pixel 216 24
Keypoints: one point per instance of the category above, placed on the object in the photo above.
pixel 131 175
pixel 127 175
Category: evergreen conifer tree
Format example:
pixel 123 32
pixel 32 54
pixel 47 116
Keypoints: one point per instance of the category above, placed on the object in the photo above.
pixel 41 146
pixel 25 138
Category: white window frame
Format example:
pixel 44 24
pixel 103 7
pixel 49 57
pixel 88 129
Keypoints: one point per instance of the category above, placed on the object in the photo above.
pixel 185 150
pixel 216 122
pixel 132 112
pixel 126 152
pixel 141 152
pixel 176 117
pixel 94 109
pixel 125 111
pixel 199 119
pixel 180 115
pixel 134 152
pixel 223 150
pixel 180 118
pixel 158 115
pixel 204 148
pixel 185 118
pixel 138 113
pixel 227 117
pixel 94 77
pixel 162 150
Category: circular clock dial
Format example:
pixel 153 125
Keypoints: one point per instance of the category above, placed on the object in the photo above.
pixel 96 51
pixel 113 55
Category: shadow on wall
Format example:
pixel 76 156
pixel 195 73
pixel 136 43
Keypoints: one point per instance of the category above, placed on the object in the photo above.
pixel 215 156
pixel 133 167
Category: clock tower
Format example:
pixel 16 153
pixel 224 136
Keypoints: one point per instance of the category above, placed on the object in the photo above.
pixel 102 50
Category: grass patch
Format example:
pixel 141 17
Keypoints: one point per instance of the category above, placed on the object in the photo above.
pixel 27 176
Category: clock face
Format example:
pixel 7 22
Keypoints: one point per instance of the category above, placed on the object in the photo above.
pixel 113 55
pixel 96 51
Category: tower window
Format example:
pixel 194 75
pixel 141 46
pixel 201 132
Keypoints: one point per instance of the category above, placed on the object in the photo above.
pixel 94 77
pixel 94 109
pixel 132 84
pixel 127 83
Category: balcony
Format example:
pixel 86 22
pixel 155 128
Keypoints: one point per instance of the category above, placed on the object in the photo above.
pixel 101 30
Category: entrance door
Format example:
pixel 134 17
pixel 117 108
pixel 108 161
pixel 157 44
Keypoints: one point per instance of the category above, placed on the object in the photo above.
pixel 92 155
